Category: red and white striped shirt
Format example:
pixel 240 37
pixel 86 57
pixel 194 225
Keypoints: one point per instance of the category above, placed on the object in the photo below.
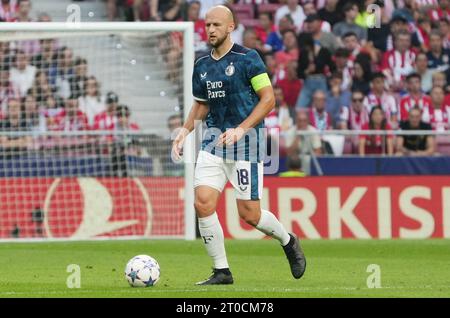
pixel 8 12
pixel 104 121
pixel 354 120
pixel 423 102
pixel 386 101
pixel 440 118
pixel 437 14
pixel 398 65
pixel 320 121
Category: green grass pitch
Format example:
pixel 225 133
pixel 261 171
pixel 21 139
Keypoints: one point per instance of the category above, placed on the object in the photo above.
pixel 409 268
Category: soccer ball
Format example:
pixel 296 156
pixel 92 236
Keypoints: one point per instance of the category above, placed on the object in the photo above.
pixel 142 271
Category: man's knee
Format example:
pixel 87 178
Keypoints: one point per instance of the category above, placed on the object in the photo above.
pixel 249 214
pixel 204 206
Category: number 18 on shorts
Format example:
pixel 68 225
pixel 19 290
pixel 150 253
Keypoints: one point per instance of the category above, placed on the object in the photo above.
pixel 246 177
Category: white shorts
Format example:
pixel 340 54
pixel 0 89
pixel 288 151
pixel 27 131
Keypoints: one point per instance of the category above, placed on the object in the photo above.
pixel 246 177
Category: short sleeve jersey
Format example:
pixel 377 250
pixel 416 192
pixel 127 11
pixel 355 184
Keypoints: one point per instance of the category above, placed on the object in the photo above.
pixel 229 85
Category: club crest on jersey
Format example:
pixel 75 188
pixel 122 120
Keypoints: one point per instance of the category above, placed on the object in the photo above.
pixel 229 71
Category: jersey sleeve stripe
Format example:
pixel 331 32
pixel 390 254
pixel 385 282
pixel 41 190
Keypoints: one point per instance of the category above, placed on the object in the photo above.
pixel 200 99
pixel 260 81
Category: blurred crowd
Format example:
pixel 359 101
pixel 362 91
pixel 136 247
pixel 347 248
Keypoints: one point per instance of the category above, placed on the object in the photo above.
pixel 339 64
pixel 378 65
pixel 44 87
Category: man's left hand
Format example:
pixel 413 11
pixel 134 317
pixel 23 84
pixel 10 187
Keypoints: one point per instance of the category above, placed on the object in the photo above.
pixel 231 136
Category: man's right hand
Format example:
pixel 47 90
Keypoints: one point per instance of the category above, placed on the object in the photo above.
pixel 178 142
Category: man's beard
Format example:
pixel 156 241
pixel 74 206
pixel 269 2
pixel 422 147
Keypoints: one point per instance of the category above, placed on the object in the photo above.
pixel 219 42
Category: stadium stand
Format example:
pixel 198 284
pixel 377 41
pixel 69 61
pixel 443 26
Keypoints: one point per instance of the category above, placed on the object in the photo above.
pixel 350 57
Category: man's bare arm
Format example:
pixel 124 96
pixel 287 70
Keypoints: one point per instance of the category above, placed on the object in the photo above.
pixel 199 111
pixel 265 105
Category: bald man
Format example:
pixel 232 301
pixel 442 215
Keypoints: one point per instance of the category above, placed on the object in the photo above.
pixel 233 93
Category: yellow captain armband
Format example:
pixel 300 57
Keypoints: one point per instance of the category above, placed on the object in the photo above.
pixel 260 81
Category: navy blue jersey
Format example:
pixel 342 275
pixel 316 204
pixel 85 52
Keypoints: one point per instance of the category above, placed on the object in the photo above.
pixel 228 85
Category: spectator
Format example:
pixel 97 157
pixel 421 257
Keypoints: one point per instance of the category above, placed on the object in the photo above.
pixel 440 12
pixel 303 146
pixel 46 58
pixel 91 103
pixel 376 144
pixel 330 13
pixel 200 36
pixel 61 72
pixel 23 74
pixel 352 45
pixel 319 118
pixel 275 39
pixel 24 9
pixel 79 79
pixel 294 9
pixel 123 114
pixel 399 62
pixel 53 107
pixel 264 28
pixel 289 83
pixel 281 118
pixel 366 18
pixel 415 98
pixel 415 145
pixel 362 74
pixel 30 47
pixel 124 145
pixel 294 168
pixel 439 115
pixel 422 31
pixel 349 25
pixel 7 89
pixel 14 145
pixel 107 119
pixel 378 95
pixel 71 118
pixel 343 66
pixel 407 11
pixel 310 10
pixel 354 117
pixel 290 49
pixel 313 65
pixel 251 41
pixel 41 87
pixel 444 29
pixel 33 117
pixel 337 98
pixel 399 24
pixel 438 57
pixel 424 72
pixel 314 25
pixel 439 79
pixel 8 10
